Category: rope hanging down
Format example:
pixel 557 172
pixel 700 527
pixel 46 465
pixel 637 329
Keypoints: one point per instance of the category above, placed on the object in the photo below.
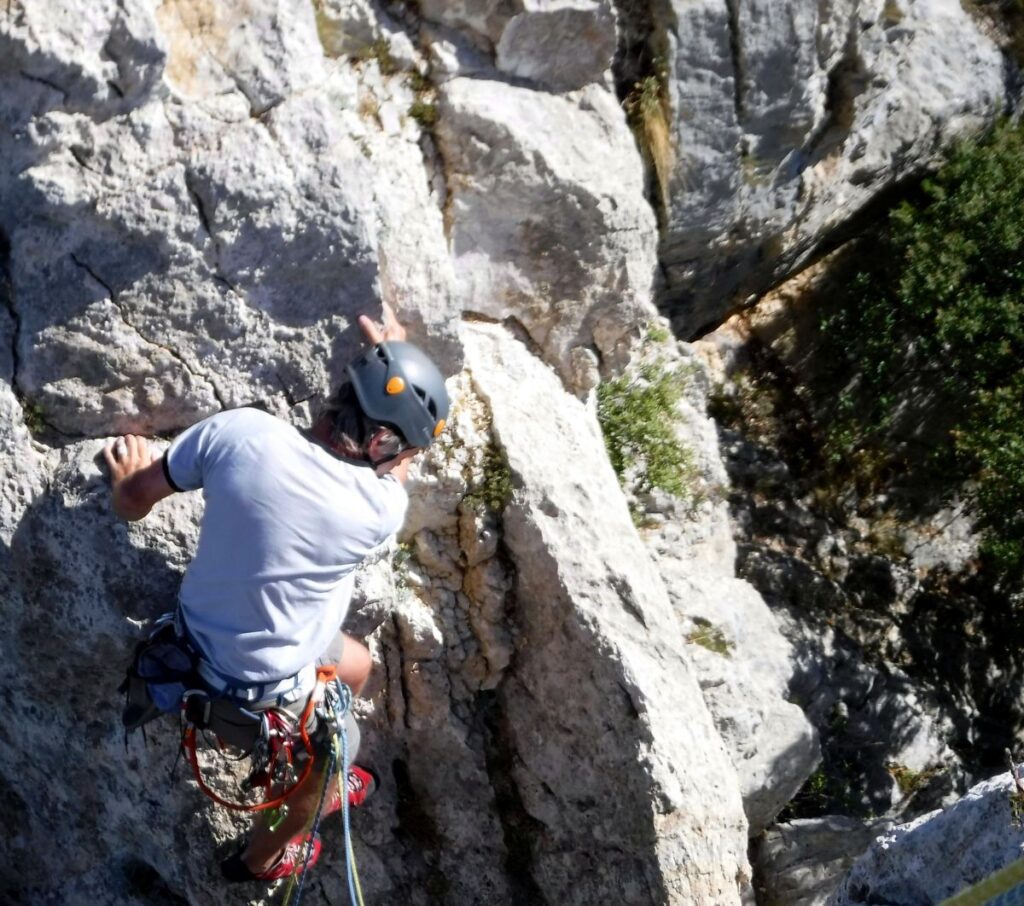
pixel 340 698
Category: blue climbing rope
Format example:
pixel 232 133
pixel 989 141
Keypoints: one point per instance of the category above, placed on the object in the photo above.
pixel 341 706
pixel 341 701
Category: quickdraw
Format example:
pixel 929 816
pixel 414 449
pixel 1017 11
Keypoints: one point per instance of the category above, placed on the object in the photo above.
pixel 273 755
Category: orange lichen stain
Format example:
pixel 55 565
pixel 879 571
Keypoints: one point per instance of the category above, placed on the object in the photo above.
pixel 199 34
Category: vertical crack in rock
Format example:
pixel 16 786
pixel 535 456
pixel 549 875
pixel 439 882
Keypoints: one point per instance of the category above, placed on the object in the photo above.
pixel 519 829
pixel 204 219
pixel 32 415
pixel 736 50
pixel 846 80
pixel 402 679
pixel 7 299
pixel 640 71
pixel 419 833
pixel 173 353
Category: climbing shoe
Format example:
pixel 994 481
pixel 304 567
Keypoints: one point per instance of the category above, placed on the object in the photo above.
pixel 362 784
pixel 292 861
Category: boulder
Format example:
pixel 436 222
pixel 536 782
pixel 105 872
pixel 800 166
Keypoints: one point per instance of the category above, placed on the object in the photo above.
pixel 559 45
pixel 939 854
pixel 800 863
pixel 549 231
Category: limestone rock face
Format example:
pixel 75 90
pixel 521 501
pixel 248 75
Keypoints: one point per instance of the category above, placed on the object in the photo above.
pixel 742 661
pixel 551 232
pixel 242 192
pixel 198 199
pixel 912 863
pixel 790 117
pixel 588 592
pixel 800 863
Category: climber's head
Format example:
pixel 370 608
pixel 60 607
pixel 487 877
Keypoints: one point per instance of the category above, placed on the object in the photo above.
pixel 394 399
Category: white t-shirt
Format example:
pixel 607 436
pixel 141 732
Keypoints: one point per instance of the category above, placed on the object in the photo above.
pixel 286 523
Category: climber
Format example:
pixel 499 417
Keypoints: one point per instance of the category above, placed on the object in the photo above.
pixel 288 517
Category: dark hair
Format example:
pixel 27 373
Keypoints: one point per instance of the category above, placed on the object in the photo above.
pixel 351 430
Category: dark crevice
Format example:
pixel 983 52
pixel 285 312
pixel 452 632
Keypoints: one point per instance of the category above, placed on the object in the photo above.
pixel 82 160
pixel 521 831
pixel 110 292
pixel 7 298
pixel 417 830
pixel 42 81
pixel 204 218
pixel 846 80
pixel 736 52
pixel 406 697
pixel 289 398
pixel 860 224
pixel 641 71
pixel 144 880
pixel 115 88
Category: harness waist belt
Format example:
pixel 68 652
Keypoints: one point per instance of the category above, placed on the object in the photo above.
pixel 286 690
pixel 280 691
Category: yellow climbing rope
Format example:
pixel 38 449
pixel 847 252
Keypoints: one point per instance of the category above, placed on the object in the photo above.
pixel 1004 888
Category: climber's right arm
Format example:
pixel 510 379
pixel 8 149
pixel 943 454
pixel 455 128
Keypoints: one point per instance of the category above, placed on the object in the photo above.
pixel 138 480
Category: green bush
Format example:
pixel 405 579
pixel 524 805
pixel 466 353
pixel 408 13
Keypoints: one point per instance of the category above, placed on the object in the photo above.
pixel 941 308
pixel 639 416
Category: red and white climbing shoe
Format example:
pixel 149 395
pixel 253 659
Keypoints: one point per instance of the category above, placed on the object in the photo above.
pixel 293 859
pixel 362 784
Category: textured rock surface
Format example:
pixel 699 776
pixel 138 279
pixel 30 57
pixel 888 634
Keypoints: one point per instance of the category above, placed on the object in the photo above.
pixel 742 661
pixel 546 219
pixel 790 117
pixel 198 199
pixel 800 863
pixel 587 592
pixel 939 854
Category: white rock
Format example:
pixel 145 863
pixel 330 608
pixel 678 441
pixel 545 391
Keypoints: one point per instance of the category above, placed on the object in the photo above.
pixel 912 863
pixel 563 45
pixel 553 233
pixel 789 118
pixel 588 595
pixel 800 863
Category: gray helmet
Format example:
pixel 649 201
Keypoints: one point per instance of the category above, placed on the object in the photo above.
pixel 396 384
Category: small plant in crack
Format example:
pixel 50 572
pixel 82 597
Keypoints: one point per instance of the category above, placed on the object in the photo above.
pixel 647 109
pixel 33 416
pixel 424 108
pixel 709 636
pixel 424 112
pixel 494 489
pixel 380 50
pixel 639 417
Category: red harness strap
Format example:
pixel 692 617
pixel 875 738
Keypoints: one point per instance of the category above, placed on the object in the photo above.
pixel 324 675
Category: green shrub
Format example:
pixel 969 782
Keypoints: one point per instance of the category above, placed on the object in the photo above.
pixel 494 490
pixel 941 308
pixel 708 635
pixel 639 416
pixel 424 112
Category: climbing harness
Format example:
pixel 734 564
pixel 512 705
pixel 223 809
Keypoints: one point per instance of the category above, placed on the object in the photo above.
pixel 165 675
